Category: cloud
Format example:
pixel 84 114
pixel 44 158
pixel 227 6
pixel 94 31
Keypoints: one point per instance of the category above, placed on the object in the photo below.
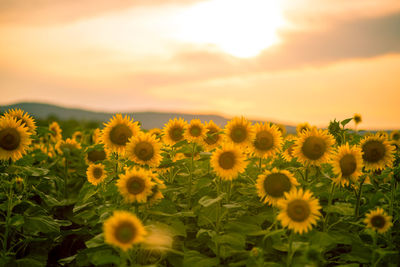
pixel 43 12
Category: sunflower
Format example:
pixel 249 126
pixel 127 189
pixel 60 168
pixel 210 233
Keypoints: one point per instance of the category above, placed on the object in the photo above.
pixel 377 152
pixel 25 119
pixel 123 230
pixel 314 147
pixel 195 131
pixel 14 138
pixel 383 134
pixel 239 131
pixel 96 173
pixel 96 136
pixel 347 164
pixel 156 132
pixel 144 149
pixel 55 133
pixel 77 136
pixel 281 128
pixel 395 137
pixel 155 191
pixel 117 132
pixel 271 185
pixel 378 220
pixel 95 155
pixel 357 118
pixel 303 127
pixel 299 210
pixel 268 140
pixel 228 162
pixel 67 145
pixel 287 154
pixel 213 137
pixel 135 185
pixel 174 131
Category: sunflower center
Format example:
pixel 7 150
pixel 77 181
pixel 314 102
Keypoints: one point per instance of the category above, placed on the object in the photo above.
pixel 298 210
pixel 374 151
pixel 125 232
pixel 144 151
pixel 264 141
pixel 314 147
pixel 97 173
pixel 348 164
pixel 276 184
pixel 238 134
pixel 212 137
pixel 96 155
pixel 9 139
pixel 378 221
pixel 195 131
pixel 135 185
pixel 176 134
pixel 120 134
pixel 226 160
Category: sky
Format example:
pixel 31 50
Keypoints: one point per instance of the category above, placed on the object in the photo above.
pixel 282 61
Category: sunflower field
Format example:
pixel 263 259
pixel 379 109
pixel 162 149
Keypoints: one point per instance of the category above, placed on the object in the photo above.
pixel 195 194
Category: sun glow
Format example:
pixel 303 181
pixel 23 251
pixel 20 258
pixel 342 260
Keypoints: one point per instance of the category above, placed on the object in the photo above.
pixel 242 28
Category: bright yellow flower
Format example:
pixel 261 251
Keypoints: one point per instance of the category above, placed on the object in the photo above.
pixel 347 164
pixel 228 162
pixel 378 220
pixel 144 149
pixel 267 141
pixel 14 138
pixel 135 185
pixel 55 134
pixel 195 131
pixel 174 131
pixel 213 136
pixel 25 119
pixel 96 173
pixel 239 131
pixel 377 152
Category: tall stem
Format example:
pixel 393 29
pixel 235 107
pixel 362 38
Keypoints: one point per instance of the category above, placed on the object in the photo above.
pixel 329 204
pixel 289 255
pixel 66 178
pixel 357 210
pixel 191 176
pixel 8 216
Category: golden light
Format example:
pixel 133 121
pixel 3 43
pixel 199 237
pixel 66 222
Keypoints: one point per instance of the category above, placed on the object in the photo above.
pixel 242 28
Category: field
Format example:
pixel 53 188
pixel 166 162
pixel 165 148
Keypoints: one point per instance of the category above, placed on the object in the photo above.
pixel 197 194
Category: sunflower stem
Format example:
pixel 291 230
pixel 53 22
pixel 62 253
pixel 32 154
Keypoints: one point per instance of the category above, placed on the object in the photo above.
pixel 393 185
pixel 191 177
pixel 66 178
pixel 116 165
pixel 357 210
pixel 290 250
pixel 329 204
pixel 260 164
pixel 7 221
pixel 217 222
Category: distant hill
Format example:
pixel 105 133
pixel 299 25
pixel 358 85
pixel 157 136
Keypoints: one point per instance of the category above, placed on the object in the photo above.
pixel 148 120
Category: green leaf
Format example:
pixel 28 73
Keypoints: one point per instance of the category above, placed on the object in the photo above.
pixel 28 262
pixel 43 224
pixel 340 208
pixel 346 121
pixel 193 258
pixel 207 201
pixel 17 220
pixel 96 241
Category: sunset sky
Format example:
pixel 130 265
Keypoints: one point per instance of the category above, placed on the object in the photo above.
pixel 285 61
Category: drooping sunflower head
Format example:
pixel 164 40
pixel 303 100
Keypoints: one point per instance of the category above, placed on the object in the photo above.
pixel 290 143
pixel 239 131
pixel 299 210
pixel 123 230
pixel 135 185
pixel 272 185
pixel 228 162
pixel 347 164
pixel 144 149
pixel 97 154
pixel 96 173
pixel 96 136
pixel 357 118
pixel 395 137
pixel 314 147
pixel 14 138
pixel 281 128
pixel 78 136
pixel 213 136
pixel 67 146
pixel 300 128
pixel 378 220
pixel 267 141
pixel 174 131
pixel 55 131
pixel 117 132
pixel 156 132
pixel 156 193
pixel 377 152
pixel 195 131
pixel 25 119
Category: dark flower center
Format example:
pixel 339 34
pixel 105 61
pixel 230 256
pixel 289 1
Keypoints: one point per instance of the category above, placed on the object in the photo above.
pixel 135 185
pixel 314 147
pixel 195 131
pixel 96 155
pixel 144 151
pixel 176 133
pixel 374 151
pixel 276 184
pixel 378 221
pixel 348 165
pixel 125 232
pixel 97 173
pixel 120 134
pixel 226 160
pixel 238 134
pixel 9 139
pixel 298 210
pixel 212 136
pixel 264 141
